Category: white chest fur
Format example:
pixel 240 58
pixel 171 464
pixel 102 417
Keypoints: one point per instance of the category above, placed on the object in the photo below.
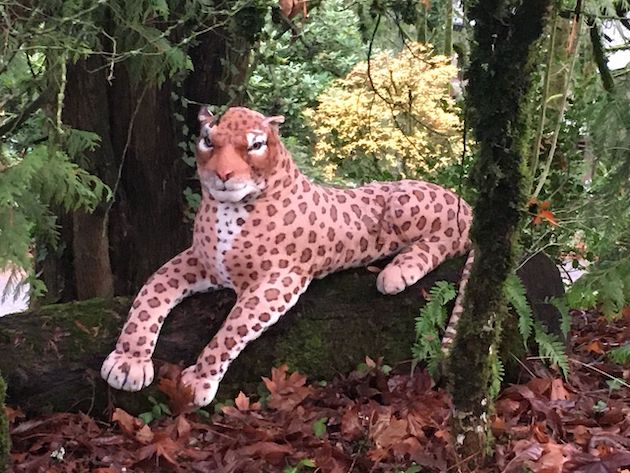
pixel 229 223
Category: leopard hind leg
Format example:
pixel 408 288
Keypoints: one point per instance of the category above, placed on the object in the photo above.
pixel 410 265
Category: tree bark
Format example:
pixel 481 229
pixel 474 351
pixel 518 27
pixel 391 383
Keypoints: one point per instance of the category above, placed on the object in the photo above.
pixel 116 248
pixel 448 29
pixel 86 107
pixel 147 223
pixel 51 357
pixel 499 82
pixel 5 440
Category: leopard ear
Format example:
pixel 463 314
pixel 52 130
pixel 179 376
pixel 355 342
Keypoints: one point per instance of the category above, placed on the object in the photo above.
pixel 205 115
pixel 276 120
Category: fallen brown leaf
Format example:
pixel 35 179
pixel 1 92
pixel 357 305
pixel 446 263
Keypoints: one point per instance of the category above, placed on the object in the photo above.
pixel 180 397
pixel 144 435
pixel 595 346
pixel 127 422
pixel 13 414
pixel 287 391
pixel 241 402
pixel 558 391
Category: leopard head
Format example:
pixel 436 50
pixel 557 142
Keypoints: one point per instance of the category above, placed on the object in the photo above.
pixel 237 153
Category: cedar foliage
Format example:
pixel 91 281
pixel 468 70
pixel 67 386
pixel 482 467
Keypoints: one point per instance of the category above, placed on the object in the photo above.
pixel 95 120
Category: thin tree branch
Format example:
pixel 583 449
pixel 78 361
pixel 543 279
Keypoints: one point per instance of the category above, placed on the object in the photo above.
pixel 565 96
pixel 543 108
pixel 600 56
pixel 9 126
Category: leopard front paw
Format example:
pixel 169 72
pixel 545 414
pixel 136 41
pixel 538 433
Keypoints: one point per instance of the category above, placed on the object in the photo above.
pixel 126 372
pixel 204 389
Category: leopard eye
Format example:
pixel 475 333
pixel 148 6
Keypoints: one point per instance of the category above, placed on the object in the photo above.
pixel 256 143
pixel 257 146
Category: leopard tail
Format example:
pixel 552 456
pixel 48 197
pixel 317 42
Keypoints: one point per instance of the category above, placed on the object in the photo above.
pixel 458 309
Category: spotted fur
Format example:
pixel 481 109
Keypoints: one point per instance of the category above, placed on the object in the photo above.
pixel 265 231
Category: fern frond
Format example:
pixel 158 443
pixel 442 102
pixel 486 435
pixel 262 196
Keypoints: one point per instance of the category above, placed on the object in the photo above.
pixel 620 355
pixel 516 296
pixel 607 285
pixel 429 324
pixel 565 319
pixel 551 348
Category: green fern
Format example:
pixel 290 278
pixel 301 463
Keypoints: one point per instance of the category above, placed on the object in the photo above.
pixel 560 303
pixel 620 355
pixel 497 373
pixel 551 349
pixel 429 325
pixel 515 294
pixel 433 317
pixel 607 286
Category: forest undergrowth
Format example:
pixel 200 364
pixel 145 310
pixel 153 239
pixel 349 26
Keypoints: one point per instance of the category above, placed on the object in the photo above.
pixel 367 421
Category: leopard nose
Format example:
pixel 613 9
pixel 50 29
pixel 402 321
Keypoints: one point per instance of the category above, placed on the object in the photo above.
pixel 224 174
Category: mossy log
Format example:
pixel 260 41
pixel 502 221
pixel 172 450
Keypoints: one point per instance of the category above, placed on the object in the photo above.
pixel 51 357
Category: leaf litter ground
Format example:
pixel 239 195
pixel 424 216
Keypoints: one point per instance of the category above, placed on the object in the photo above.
pixel 365 422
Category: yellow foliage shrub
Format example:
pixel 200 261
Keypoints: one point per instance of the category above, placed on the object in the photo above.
pixel 400 124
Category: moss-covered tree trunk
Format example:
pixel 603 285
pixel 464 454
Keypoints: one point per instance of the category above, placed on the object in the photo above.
pixel 5 441
pixel 499 76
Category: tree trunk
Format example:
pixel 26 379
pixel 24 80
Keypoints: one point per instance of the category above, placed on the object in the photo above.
pixel 5 440
pixel 116 248
pixel 147 223
pixel 86 108
pixel 51 358
pixel 499 81
pixel 448 29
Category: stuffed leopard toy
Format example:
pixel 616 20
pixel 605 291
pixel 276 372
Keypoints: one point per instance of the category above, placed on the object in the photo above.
pixel 265 231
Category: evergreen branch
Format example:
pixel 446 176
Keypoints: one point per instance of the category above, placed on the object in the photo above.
pixel 621 354
pixel 429 323
pixel 565 318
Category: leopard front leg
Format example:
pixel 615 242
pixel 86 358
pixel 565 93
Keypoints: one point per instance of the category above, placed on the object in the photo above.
pixel 129 366
pixel 256 309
